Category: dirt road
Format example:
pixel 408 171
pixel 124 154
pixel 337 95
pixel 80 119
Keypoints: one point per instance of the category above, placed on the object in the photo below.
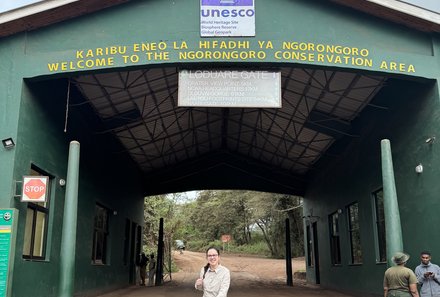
pixel 244 270
pixel 250 276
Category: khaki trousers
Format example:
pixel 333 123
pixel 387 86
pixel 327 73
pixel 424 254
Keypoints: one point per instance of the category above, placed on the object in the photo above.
pixel 397 293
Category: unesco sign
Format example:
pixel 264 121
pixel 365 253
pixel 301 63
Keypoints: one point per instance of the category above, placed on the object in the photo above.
pixel 226 18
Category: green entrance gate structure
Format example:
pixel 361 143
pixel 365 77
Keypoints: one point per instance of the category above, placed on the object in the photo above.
pixel 169 96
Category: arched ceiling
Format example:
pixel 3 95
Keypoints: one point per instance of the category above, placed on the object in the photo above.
pixel 276 146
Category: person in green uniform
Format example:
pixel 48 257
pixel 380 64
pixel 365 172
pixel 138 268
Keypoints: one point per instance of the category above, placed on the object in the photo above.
pixel 400 281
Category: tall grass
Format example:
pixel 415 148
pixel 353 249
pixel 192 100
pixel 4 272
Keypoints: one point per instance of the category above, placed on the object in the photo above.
pixel 257 248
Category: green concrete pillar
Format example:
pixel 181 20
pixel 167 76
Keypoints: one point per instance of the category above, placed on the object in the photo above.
pixel 393 228
pixel 68 238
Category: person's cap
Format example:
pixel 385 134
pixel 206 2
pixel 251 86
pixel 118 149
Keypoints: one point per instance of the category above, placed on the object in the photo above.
pixel 400 258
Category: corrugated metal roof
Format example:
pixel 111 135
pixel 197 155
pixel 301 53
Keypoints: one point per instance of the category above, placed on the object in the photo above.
pixel 140 109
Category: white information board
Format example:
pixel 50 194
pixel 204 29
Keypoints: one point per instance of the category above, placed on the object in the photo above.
pixel 230 88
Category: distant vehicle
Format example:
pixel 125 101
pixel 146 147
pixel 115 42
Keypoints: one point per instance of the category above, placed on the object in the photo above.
pixel 180 245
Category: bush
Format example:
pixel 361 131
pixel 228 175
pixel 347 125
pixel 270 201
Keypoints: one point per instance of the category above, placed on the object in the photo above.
pixel 257 248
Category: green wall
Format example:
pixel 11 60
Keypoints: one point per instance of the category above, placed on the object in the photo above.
pixel 411 116
pixel 106 177
pixel 10 94
pixel 175 23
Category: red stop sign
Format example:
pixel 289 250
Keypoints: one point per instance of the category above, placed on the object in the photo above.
pixel 35 188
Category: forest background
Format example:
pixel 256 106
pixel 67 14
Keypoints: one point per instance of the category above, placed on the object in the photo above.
pixel 255 222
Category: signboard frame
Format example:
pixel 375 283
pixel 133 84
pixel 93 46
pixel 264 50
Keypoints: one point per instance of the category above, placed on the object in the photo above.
pixel 26 179
pixel 227 18
pixel 229 88
pixel 226 238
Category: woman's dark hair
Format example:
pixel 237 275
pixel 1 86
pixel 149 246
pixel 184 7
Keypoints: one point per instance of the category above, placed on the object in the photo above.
pixel 213 248
pixel 206 267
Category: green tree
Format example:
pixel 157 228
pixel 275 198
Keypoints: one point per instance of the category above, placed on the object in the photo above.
pixel 155 208
pixel 245 215
pixel 238 213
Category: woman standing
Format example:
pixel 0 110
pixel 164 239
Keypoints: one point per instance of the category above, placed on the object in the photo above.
pixel 151 270
pixel 214 278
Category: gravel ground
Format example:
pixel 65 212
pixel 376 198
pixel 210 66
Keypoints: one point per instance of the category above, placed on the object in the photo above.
pixel 250 276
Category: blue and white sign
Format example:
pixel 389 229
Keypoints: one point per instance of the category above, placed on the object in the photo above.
pixel 227 18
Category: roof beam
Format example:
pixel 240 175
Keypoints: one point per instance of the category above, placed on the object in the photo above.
pixel 225 118
pixel 122 119
pixel 398 12
pixel 326 124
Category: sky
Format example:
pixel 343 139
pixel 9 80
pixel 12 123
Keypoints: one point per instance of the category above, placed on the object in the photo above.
pixel 192 194
pixel 433 5
pixel 6 5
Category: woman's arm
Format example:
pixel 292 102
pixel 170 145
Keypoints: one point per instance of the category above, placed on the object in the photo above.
pixel 199 282
pixel 224 286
